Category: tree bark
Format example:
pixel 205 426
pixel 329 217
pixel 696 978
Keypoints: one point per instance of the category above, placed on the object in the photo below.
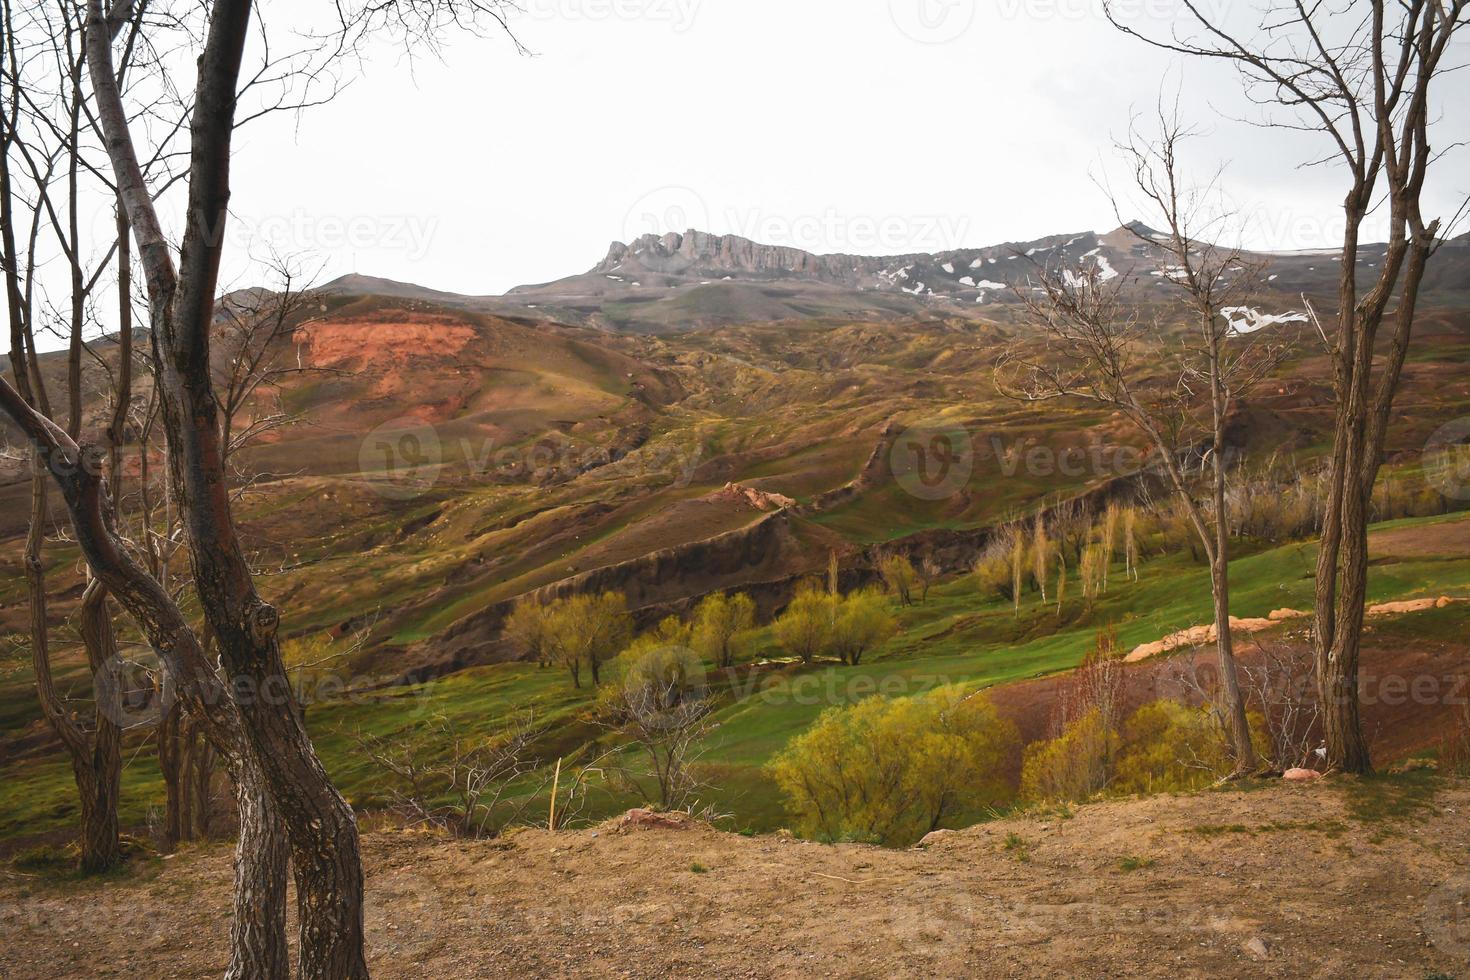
pixel 320 825
pixel 1236 717
pixel 200 777
pixel 171 764
pixel 99 775
pixel 95 757
pixel 258 949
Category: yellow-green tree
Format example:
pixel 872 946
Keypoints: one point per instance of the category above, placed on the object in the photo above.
pixel 805 629
pixel 587 630
pixel 672 631
pixel 900 577
pixel 528 627
pixel 863 622
pixel 721 626
pixel 993 569
pixel 891 771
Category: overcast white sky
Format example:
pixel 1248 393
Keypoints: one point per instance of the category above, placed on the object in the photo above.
pixel 872 126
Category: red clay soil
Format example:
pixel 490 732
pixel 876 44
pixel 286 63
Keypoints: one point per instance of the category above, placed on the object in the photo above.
pixel 1414 687
pixel 398 338
pixel 1287 881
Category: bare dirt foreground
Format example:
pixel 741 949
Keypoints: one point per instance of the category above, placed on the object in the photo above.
pixel 1329 879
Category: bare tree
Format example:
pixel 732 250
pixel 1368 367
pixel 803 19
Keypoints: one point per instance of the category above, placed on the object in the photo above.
pixel 253 326
pixel 929 570
pixel 42 164
pixel 287 803
pixel 1095 344
pixel 470 787
pixel 1361 75
pixel 661 706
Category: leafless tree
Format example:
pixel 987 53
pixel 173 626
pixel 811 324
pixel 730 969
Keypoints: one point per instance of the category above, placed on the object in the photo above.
pixel 470 787
pixel 1281 683
pixel 1097 347
pixel 929 570
pixel 1364 76
pixel 661 708
pixel 43 161
pixel 286 801
pixel 253 326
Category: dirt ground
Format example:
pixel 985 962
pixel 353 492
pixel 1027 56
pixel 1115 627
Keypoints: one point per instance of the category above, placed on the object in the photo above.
pixel 1287 881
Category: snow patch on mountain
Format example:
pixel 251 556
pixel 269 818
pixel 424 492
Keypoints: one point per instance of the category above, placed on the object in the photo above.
pixel 1246 319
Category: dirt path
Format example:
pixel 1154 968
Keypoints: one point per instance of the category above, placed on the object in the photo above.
pixel 1287 881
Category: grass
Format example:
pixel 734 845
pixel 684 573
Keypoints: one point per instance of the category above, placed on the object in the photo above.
pixel 1134 863
pixel 956 638
pixel 1384 802
pixel 1018 847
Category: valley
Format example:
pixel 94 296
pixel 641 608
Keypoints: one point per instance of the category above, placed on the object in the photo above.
pixel 554 458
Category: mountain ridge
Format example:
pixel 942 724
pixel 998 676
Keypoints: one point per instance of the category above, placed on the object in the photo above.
pixel 695 279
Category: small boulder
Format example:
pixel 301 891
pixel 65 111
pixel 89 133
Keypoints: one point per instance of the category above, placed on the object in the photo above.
pixel 1301 775
pixel 935 836
pixel 641 818
pixel 1282 615
pixel 1257 948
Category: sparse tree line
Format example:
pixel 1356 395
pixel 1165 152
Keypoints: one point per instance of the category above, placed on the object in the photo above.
pixel 1361 78
pixel 651 702
pixel 584 632
pixel 1039 557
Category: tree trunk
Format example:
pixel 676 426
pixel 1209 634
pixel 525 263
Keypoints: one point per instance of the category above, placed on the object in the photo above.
pixel 96 759
pixel 101 784
pixel 320 825
pixel 258 949
pixel 1337 652
pixel 201 784
pixel 1234 704
pixel 171 757
pixel 1239 722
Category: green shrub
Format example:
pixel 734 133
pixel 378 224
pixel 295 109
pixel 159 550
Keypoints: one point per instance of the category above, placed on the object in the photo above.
pixel 1169 747
pixel 891 771
pixel 1075 765
pixel 1164 746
